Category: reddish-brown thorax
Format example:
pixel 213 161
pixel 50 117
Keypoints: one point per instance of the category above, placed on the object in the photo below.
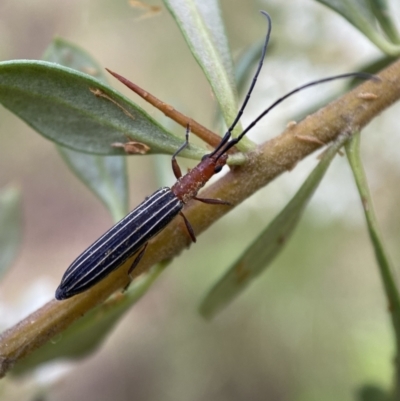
pixel 190 184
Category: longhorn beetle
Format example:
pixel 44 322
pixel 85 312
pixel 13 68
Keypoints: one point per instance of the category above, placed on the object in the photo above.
pixel 131 235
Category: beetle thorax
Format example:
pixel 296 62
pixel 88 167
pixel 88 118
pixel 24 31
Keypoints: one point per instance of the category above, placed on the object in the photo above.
pixel 190 184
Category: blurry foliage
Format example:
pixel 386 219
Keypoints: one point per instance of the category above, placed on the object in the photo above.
pixel 83 126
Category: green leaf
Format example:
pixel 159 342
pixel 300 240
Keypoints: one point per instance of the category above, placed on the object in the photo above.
pixel 70 55
pixel 210 12
pixel 10 226
pixel 88 333
pixel 245 63
pixel 360 14
pixel 381 10
pixel 385 266
pixel 371 392
pixel 270 242
pixel 105 176
pixel 243 69
pixel 60 104
pixel 203 29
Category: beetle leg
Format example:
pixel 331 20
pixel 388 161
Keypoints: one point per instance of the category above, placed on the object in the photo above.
pixel 188 227
pixel 175 166
pixel 137 259
pixel 134 264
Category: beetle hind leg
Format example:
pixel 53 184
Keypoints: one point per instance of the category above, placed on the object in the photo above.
pixel 134 264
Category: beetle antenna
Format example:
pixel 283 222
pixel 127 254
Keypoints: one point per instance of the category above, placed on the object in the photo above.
pixel 228 133
pixel 234 141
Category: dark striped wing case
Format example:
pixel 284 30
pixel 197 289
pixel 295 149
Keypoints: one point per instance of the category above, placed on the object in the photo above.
pixel 120 242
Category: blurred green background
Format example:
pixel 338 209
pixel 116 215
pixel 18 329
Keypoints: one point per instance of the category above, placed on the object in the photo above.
pixel 315 326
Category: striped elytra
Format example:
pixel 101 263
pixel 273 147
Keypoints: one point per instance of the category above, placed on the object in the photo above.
pixel 120 242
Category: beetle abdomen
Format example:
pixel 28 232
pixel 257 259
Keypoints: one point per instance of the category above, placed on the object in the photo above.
pixel 120 242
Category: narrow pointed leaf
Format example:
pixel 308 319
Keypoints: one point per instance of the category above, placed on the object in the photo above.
pixel 360 14
pixel 105 176
pixel 385 266
pixel 243 68
pixel 382 12
pixel 246 63
pixel 202 27
pixel 87 334
pixel 210 12
pixel 355 11
pixel 10 226
pixel 70 55
pixel 270 242
pixel 61 104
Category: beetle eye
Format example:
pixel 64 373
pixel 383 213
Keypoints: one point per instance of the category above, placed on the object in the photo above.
pixel 217 169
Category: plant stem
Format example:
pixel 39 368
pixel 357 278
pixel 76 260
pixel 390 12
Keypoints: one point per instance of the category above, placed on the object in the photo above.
pixel 347 114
